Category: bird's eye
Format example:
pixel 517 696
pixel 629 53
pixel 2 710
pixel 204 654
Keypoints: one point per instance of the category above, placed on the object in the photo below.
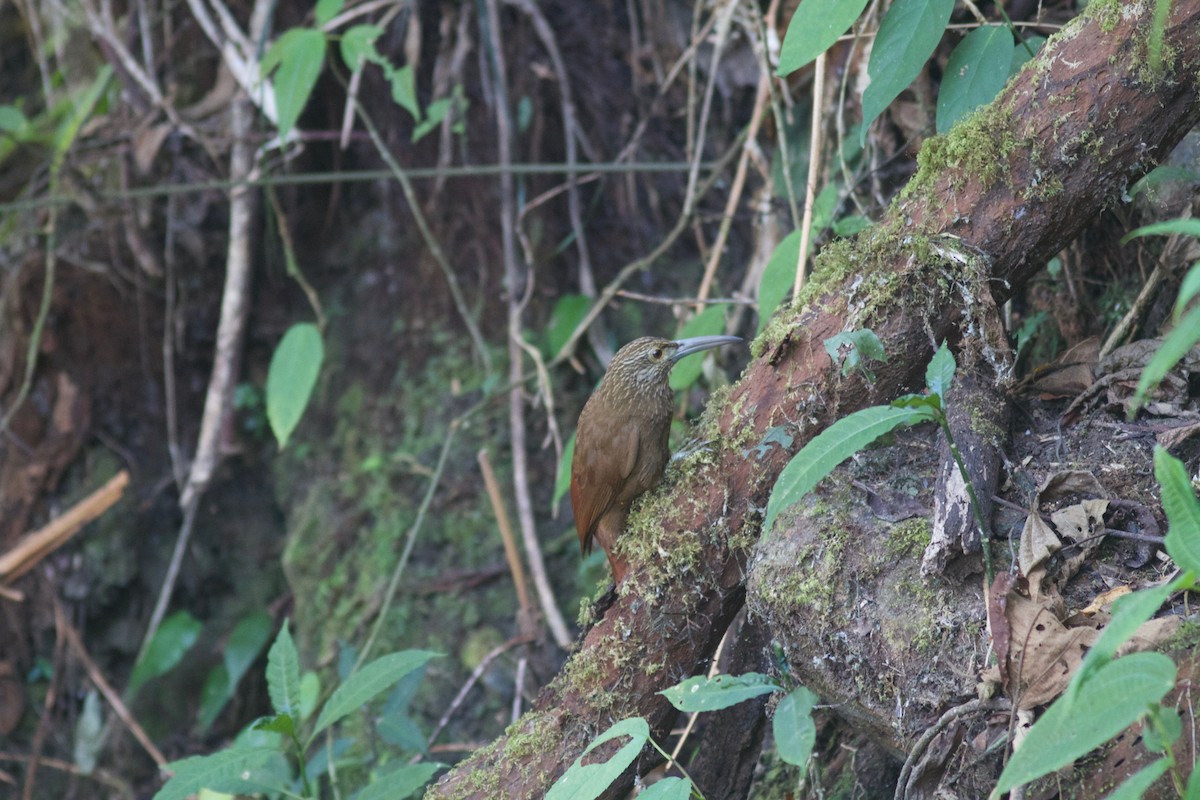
pixel 656 354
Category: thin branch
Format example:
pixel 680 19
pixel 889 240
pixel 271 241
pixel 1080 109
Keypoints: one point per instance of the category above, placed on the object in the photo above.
pixel 810 186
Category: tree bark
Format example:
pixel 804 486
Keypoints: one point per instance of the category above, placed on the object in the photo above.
pixel 992 202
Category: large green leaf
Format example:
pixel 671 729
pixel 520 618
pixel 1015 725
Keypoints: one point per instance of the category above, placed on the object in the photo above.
pixel 814 28
pixel 1182 510
pixel 245 642
pixel 667 789
pixel 793 727
pixel 831 447
pixel 399 783
pixel 174 637
pixel 977 71
pixel 1189 288
pixel 709 322
pixel 1136 784
pixel 300 55
pixel 702 693
pixel 939 375
pixel 1187 227
pixel 908 34
pixel 581 782
pixel 358 45
pixel 291 378
pixel 283 674
pixel 364 685
pixel 778 277
pixel 562 479
pixel 1174 347
pixel 1113 699
pixel 327 10
pixel 244 770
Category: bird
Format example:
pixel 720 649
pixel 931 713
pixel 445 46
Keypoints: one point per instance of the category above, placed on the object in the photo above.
pixel 621 448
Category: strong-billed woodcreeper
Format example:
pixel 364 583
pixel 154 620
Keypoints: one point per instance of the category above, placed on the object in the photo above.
pixel 621 448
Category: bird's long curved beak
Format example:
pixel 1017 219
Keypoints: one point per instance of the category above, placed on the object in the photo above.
pixel 697 344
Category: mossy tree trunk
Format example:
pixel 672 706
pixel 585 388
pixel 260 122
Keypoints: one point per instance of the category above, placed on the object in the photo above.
pixel 991 204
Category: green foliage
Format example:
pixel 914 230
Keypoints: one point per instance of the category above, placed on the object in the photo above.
pixel 174 637
pixel 793 727
pixel 258 760
pixel 709 322
pixel 1116 696
pixel 778 277
pixel 831 447
pixel 581 782
pixel 814 28
pixel 291 377
pixel 701 693
pixel 327 10
pixel 1133 787
pixel 562 477
pixel 862 346
pixel 569 310
pixel 296 58
pixel 245 642
pixel 1182 510
pixel 907 36
pixel 1186 332
pixel 977 71
pixel 940 372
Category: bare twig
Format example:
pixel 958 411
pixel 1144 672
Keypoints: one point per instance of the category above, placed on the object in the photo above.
pixel 814 166
pixel 515 280
pixel 106 689
pixel 33 548
pixel 230 329
pixel 922 744
pixel 526 618
pixel 476 674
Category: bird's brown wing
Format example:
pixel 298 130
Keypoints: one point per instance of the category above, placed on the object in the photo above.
pixel 598 469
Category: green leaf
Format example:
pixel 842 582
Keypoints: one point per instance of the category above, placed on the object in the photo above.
pixel 1128 614
pixel 358 45
pixel 12 120
pixel 1193 785
pixel 793 726
pixel 702 693
pixel 1175 345
pixel 284 724
pixel 435 112
pixel 327 10
pixel 1136 784
pixel 300 55
pixel 89 733
pixel 81 110
pixel 1021 56
pixel 977 71
pixel 1186 227
pixel 174 637
pixel 242 770
pixel 940 372
pixel 569 310
pixel 824 206
pixel 848 226
pixel 778 277
pixel 814 28
pixel 562 480
pixel 668 789
pixel 1182 510
pixel 399 783
pixel 864 346
pixel 1188 289
pixel 283 674
pixel 404 90
pixel 364 685
pixel 291 378
pixel 1162 729
pixel 589 782
pixel 310 693
pixel 709 322
pixel 1115 697
pixel 245 642
pixel 1163 174
pixel 908 34
pixel 831 447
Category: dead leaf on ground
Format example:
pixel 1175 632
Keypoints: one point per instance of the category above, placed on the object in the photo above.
pixel 1069 374
pixel 1075 522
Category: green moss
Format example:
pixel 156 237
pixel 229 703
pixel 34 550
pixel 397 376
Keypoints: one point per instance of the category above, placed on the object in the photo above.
pixel 978 147
pixel 909 537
